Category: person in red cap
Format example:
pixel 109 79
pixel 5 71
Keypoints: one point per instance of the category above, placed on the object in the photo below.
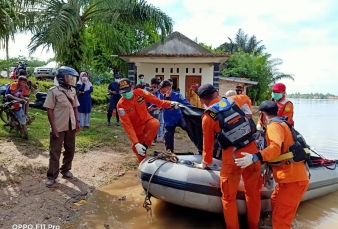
pixel 285 106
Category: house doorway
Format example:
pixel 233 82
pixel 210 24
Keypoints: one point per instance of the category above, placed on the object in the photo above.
pixel 189 81
pixel 159 77
pixel 175 79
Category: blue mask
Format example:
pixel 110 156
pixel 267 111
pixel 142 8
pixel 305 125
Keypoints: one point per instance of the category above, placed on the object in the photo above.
pixel 128 95
pixel 276 96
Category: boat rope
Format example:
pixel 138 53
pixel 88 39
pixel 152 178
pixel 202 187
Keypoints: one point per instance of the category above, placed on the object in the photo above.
pixel 323 161
pixel 167 157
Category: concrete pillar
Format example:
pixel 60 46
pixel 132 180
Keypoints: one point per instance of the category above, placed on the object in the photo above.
pixel 131 72
pixel 216 75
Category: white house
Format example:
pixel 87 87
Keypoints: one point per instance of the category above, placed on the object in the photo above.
pixel 179 58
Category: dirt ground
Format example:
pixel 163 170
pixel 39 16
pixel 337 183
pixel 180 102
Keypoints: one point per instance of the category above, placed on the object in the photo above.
pixel 24 198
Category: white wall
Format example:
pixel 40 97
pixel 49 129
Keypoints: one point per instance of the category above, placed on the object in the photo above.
pixel 149 72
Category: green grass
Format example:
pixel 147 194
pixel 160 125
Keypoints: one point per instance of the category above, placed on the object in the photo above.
pixel 98 135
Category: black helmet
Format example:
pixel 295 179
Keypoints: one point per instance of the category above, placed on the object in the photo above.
pixel 63 71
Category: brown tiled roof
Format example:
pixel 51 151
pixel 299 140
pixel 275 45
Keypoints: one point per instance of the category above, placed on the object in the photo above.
pixel 175 55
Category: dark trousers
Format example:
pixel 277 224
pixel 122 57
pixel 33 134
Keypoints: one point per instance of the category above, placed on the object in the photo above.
pixel 112 106
pixel 67 139
pixel 170 132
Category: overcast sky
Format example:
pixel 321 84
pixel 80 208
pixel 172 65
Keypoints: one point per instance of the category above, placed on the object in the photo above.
pixel 303 33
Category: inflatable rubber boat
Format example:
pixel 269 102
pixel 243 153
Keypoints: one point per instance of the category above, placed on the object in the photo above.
pixel 181 184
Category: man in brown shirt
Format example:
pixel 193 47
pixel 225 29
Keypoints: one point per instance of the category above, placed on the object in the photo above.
pixel 61 104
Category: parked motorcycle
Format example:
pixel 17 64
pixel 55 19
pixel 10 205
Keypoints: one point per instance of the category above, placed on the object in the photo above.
pixel 40 100
pixel 3 89
pixel 13 115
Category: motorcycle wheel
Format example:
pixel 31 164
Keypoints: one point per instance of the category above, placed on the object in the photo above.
pixel 24 131
pixel 4 116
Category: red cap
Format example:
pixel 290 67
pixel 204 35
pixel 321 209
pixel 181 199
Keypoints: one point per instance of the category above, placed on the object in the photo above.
pixel 279 87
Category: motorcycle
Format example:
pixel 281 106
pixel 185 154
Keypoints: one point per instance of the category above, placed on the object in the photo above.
pixel 13 115
pixel 40 100
pixel 3 89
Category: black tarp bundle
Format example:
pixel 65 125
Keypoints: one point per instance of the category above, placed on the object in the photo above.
pixel 193 119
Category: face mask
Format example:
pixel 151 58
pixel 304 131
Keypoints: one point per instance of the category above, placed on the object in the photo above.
pixel 117 80
pixel 239 92
pixel 141 80
pixel 276 96
pixel 128 95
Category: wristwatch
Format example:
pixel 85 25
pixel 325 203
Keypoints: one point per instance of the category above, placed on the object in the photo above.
pixel 254 158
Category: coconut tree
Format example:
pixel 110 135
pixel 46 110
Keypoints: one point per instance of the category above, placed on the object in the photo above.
pixel 15 16
pixel 62 24
pixel 242 42
pixel 258 67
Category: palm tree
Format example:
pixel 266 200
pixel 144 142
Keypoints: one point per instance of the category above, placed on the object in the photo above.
pixel 61 25
pixel 242 42
pixel 15 16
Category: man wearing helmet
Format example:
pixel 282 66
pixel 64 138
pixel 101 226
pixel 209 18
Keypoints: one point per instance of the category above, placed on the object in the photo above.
pixel 285 106
pixel 61 104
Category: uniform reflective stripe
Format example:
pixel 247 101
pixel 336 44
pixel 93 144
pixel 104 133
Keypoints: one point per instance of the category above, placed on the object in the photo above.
pixel 286 156
pixel 231 117
pixel 238 132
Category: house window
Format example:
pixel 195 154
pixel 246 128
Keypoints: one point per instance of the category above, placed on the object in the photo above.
pixel 162 70
pixel 175 81
pixel 186 70
pixel 177 70
pixel 200 70
pixel 156 70
pixel 171 70
pixel 193 70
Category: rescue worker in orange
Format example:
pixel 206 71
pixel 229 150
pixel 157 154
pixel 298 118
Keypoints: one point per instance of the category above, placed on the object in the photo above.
pixel 230 174
pixel 292 178
pixel 285 106
pixel 140 127
pixel 242 100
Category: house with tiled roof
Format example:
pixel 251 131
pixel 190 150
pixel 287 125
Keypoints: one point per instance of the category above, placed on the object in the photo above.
pixel 230 83
pixel 178 58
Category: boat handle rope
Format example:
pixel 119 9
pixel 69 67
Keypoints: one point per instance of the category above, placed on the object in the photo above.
pixel 147 202
pixel 167 156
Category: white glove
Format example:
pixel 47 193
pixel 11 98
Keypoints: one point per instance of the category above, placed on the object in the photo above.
pixel 141 149
pixel 174 104
pixel 259 127
pixel 244 161
pixel 199 166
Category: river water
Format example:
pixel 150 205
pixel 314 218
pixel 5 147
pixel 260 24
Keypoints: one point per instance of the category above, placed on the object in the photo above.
pixel 317 120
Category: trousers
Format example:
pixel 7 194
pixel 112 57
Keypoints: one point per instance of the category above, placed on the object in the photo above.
pixel 149 133
pixel 67 139
pixel 170 132
pixel 285 200
pixel 229 181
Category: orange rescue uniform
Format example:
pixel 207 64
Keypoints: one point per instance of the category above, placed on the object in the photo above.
pixel 292 179
pixel 139 125
pixel 231 174
pixel 244 102
pixel 285 108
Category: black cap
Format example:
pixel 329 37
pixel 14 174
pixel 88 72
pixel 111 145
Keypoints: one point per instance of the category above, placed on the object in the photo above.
pixel 164 83
pixel 170 80
pixel 125 86
pixel 117 76
pixel 269 106
pixel 206 89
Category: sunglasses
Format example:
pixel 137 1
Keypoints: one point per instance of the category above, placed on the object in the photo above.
pixel 153 86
